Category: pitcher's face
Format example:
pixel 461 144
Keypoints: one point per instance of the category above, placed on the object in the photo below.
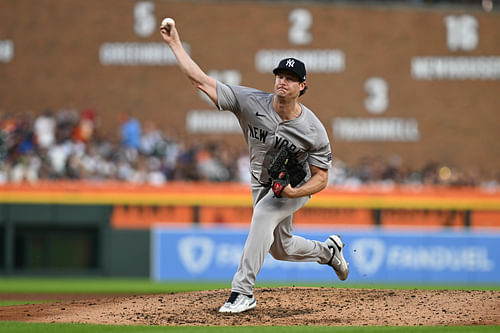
pixel 287 84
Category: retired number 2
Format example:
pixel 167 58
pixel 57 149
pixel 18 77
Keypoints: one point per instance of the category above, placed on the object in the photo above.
pixel 300 22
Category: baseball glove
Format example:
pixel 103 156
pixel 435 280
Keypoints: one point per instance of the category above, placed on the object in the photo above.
pixel 285 169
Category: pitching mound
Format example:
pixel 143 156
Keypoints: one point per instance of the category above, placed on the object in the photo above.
pixel 277 306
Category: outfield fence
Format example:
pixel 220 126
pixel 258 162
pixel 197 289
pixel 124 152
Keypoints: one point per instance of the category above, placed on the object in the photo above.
pixel 86 228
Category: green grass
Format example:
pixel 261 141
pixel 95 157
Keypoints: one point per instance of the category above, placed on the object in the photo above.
pixel 15 327
pixel 98 286
pixel 27 285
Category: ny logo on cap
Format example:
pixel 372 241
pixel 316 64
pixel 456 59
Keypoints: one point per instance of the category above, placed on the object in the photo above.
pixel 290 63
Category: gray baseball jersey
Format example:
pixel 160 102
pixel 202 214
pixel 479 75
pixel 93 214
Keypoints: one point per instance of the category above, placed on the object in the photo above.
pixel 271 226
pixel 265 132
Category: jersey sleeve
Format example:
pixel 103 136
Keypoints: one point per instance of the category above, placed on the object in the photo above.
pixel 320 154
pixel 321 158
pixel 226 98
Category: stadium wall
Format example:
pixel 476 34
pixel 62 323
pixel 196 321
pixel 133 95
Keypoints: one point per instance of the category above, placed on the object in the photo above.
pixel 420 83
pixel 105 229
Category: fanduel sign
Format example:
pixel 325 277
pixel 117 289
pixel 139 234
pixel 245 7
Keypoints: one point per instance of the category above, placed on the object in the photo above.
pixel 374 256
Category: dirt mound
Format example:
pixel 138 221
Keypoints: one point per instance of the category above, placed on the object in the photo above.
pixel 277 306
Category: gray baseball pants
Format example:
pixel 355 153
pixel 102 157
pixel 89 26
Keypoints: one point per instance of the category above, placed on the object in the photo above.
pixel 271 232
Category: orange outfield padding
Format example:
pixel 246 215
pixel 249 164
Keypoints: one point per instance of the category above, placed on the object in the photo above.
pixel 141 206
pixel 146 217
pixel 218 216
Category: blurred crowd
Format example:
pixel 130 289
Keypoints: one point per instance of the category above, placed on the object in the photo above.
pixel 67 145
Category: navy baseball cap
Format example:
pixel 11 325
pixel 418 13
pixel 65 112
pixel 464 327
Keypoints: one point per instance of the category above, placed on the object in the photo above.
pixel 293 65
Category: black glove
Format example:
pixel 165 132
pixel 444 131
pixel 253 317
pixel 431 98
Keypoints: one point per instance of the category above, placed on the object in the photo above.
pixel 295 170
pixel 285 169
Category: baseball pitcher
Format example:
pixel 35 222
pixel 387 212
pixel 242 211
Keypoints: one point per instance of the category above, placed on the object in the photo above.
pixel 289 160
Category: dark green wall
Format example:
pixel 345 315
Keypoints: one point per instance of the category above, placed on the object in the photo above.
pixel 129 253
pixel 45 239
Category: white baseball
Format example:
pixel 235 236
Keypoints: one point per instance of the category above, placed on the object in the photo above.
pixel 168 22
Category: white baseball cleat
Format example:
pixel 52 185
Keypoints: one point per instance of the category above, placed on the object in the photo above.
pixel 340 266
pixel 238 303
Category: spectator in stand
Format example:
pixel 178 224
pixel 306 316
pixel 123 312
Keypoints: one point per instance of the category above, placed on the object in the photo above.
pixel 130 131
pixel 209 166
pixel 24 134
pixel 87 124
pixel 169 162
pixel 57 157
pixel 156 176
pixel 152 142
pixel 66 120
pixel 45 129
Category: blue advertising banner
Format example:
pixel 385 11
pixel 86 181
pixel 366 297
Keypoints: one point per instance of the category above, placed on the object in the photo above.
pixel 374 256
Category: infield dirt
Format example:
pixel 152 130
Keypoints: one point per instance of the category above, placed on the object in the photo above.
pixel 276 306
